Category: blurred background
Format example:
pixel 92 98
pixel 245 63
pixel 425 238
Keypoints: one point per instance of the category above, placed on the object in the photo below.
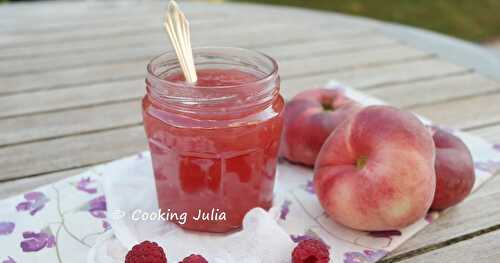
pixel 473 20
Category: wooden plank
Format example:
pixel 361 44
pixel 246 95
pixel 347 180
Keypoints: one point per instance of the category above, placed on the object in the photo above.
pixel 33 40
pixel 25 65
pixel 75 97
pixel 90 112
pixel 393 74
pixel 467 113
pixel 71 122
pixel 349 61
pixel 435 90
pixel 40 101
pixel 40 10
pixel 54 8
pixel 201 25
pixel 72 152
pixel 14 15
pixel 63 25
pixel 292 86
pixel 479 249
pixel 203 22
pixel 58 24
pixel 235 34
pixel 139 37
pixel 72 77
pixel 478 211
pixel 397 74
pixel 45 101
pixel 70 14
pixel 109 72
pixel 92 108
pixel 11 188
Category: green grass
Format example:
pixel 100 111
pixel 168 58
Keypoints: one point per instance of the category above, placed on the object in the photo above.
pixel 476 20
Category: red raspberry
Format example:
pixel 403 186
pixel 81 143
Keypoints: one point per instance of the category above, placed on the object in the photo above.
pixel 311 251
pixel 146 252
pixel 194 259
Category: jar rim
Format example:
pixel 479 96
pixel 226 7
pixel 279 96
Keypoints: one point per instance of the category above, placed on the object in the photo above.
pixel 185 85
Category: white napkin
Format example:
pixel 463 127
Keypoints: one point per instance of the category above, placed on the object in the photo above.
pixel 131 187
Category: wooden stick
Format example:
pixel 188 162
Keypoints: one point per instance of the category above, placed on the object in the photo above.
pixel 177 27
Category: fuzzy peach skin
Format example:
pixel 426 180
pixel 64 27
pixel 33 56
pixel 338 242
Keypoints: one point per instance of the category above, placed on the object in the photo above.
pixel 454 170
pixel 308 120
pixel 376 171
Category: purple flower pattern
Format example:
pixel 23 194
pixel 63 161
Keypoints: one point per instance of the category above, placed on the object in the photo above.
pixel 35 201
pixel 367 256
pixel 84 185
pixel 299 238
pixel 97 207
pixel 307 235
pixel 285 209
pixel 9 260
pixel 496 147
pixel 6 228
pixel 106 225
pixel 309 187
pixel 37 241
pixel 489 166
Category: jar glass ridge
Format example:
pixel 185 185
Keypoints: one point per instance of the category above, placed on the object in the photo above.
pixel 186 97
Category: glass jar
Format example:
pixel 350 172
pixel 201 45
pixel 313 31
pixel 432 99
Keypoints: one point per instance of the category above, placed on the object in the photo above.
pixel 214 144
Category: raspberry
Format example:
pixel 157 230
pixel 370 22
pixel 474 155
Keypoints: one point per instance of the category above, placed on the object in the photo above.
pixel 146 252
pixel 311 251
pixel 194 259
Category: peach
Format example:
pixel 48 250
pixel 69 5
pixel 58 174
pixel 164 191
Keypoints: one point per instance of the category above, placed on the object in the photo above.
pixel 376 171
pixel 454 170
pixel 308 120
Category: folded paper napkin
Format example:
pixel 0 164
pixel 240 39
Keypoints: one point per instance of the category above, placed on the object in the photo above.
pixel 87 218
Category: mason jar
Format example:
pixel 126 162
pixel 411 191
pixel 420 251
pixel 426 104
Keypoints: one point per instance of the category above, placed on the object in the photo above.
pixel 214 144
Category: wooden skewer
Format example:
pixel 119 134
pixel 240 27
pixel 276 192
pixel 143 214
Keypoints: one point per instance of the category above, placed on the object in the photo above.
pixel 177 27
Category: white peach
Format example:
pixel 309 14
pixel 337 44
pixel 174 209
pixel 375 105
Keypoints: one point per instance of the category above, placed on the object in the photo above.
pixel 454 170
pixel 309 119
pixel 376 171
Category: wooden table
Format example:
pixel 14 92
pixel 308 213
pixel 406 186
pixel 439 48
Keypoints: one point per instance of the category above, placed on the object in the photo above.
pixel 72 76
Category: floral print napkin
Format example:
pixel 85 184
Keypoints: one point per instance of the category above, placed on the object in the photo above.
pixel 53 223
pixel 62 221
